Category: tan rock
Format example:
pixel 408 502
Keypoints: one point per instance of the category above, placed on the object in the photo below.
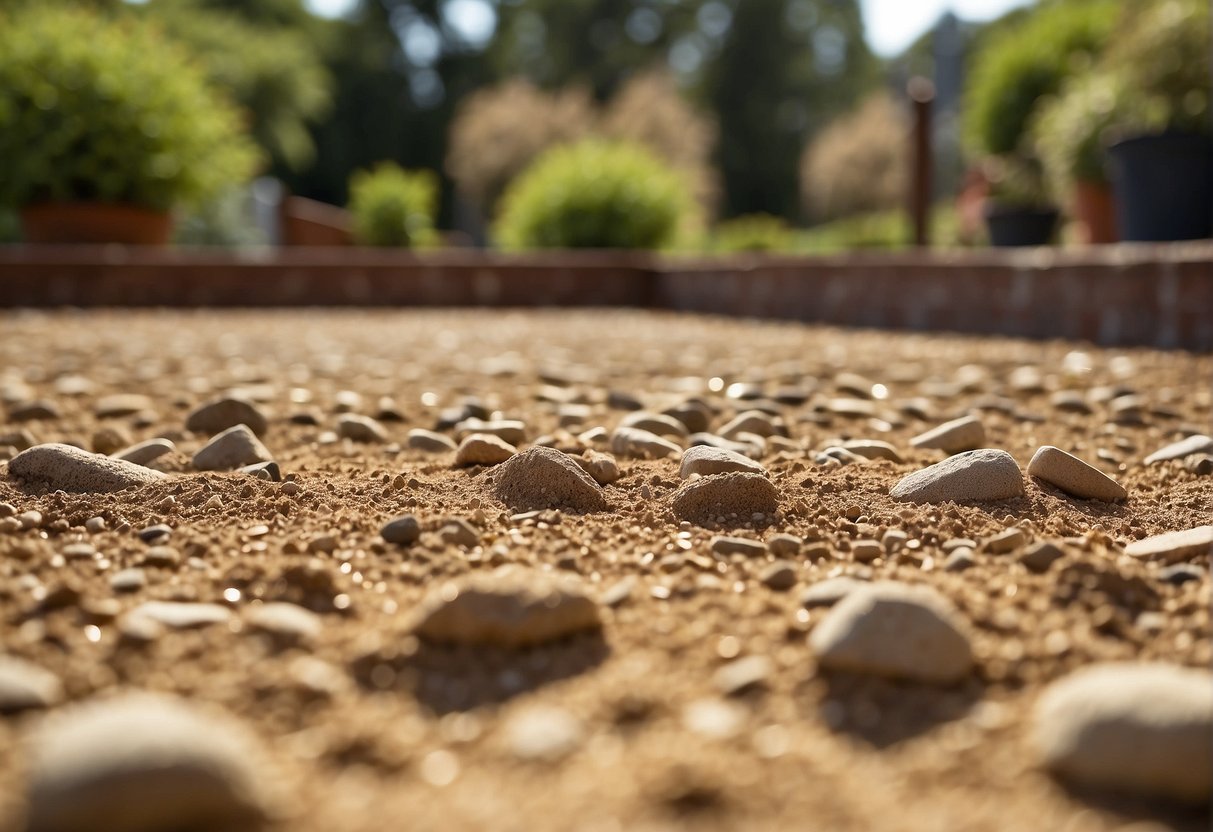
pixel 964 434
pixel 540 478
pixel 1073 476
pixel 987 474
pixel 737 494
pixel 71 469
pixel 894 630
pixel 508 608
pixel 219 415
pixel 1130 727
pixel 1174 546
pixel 483 449
pixel 705 460
pixel 231 449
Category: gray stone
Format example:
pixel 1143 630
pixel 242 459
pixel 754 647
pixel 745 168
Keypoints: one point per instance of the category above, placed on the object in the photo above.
pixel 71 469
pixel 779 576
pixel 402 530
pixel 972 476
pixel 429 441
pixel 268 471
pixel 232 449
pixel 602 467
pixel 964 434
pixel 288 623
pixel 1192 445
pixel 641 444
pixel 145 453
pixel 894 630
pixel 1174 546
pixel 483 449
pixel 872 449
pixel 219 415
pixel 1040 557
pixel 655 423
pixel 705 461
pixel 742 675
pixel 182 615
pixel 724 545
pixel 1131 727
pixel 360 429
pixel 510 430
pixel 543 733
pixel 507 608
pixel 139 762
pixel 121 404
pixel 25 686
pixel 1073 476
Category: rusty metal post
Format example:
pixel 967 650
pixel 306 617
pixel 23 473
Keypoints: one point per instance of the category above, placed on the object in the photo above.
pixel 922 95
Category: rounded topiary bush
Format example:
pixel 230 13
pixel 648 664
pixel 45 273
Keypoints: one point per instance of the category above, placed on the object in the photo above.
pixel 100 110
pixel 392 206
pixel 595 194
pixel 1027 62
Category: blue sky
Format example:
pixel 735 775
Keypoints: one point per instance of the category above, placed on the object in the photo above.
pixel 891 25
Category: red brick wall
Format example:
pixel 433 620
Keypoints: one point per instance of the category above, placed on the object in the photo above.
pixel 1150 295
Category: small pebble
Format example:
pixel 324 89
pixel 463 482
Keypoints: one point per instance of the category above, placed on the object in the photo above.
pixel 779 576
pixel 543 733
pixel 602 467
pixel 1073 476
pixel 964 434
pixel 507 608
pixel 145 453
pixel 894 630
pixel 724 545
pixel 742 675
pixel 830 591
pixel 180 615
pixel 705 461
pixel 361 429
pixel 635 443
pixel 231 449
pixel 219 415
pixel 1190 446
pixel 1039 557
pixel 24 686
pixel 1131 727
pixel 402 530
pixel 138 762
pixel 429 441
pixel 483 449
pixel 959 560
pixel 973 476
pixel 1174 546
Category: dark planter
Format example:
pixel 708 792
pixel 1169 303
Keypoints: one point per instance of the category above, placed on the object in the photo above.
pixel 1019 225
pixel 95 222
pixel 1164 187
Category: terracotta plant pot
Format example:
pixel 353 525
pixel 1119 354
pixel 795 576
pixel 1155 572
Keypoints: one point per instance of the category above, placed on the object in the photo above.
pixel 95 222
pixel 1094 209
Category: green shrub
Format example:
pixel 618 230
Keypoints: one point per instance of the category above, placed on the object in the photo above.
pixel 273 73
pixel 1161 56
pixel 1070 131
pixel 97 110
pixel 753 232
pixel 595 194
pixel 1017 180
pixel 1022 64
pixel 393 207
pixel 878 231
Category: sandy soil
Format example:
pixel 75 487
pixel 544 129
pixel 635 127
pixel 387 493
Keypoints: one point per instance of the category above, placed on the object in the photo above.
pixel 369 729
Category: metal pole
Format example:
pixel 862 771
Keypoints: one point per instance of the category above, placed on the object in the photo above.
pixel 922 94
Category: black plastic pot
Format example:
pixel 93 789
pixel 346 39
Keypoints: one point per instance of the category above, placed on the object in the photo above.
pixel 1164 186
pixel 1019 225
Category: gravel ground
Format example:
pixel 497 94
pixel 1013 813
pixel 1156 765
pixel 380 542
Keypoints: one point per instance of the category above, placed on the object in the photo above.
pixel 564 645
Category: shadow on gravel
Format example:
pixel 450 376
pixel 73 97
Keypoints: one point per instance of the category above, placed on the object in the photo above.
pixel 882 712
pixel 450 678
pixel 1152 814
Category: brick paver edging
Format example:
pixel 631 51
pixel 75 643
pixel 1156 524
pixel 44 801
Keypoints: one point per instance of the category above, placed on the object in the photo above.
pixel 1158 295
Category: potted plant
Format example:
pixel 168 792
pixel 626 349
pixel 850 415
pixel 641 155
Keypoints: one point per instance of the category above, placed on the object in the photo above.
pixel 1162 160
pixel 105 128
pixel 1069 135
pixel 1018 211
